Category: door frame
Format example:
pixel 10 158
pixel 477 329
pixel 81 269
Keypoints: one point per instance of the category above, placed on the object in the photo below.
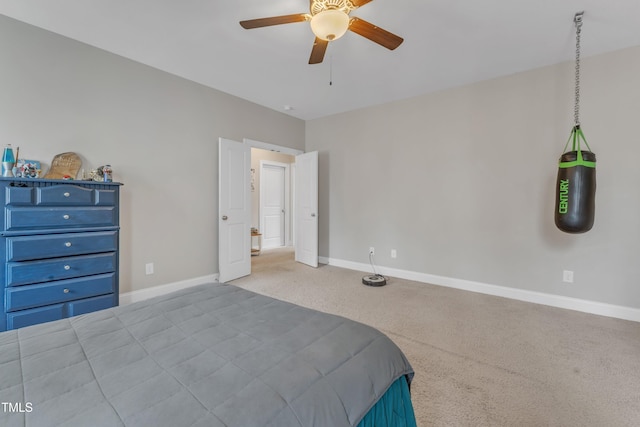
pixel 286 201
pixel 249 143
pixel 272 147
pixel 252 143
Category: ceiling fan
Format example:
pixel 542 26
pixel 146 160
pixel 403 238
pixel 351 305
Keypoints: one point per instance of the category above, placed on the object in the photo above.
pixel 329 21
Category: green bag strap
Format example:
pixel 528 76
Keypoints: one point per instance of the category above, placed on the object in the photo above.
pixel 576 135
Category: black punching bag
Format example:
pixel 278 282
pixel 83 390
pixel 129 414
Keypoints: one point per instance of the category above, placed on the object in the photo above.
pixel 576 187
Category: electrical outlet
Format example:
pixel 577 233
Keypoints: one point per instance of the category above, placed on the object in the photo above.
pixel 148 268
pixel 394 254
pixel 372 250
pixel 567 276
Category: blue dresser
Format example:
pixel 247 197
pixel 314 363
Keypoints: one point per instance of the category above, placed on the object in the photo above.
pixel 60 249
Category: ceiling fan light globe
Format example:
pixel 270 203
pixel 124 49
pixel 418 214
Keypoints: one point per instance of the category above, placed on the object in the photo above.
pixel 330 24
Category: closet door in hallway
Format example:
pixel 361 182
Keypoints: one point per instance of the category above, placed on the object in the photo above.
pixel 274 204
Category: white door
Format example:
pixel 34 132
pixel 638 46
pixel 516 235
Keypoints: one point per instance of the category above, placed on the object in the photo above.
pixel 272 204
pixel 306 208
pixel 234 210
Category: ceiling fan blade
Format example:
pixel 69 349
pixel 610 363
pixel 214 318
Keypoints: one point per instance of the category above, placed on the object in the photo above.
pixel 317 53
pixel 375 34
pixel 358 3
pixel 274 20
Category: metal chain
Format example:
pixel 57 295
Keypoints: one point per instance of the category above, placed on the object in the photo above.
pixel 576 109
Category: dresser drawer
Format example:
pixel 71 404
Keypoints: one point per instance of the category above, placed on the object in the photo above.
pixel 21 297
pixel 18 195
pixel 64 195
pixel 23 318
pixel 60 195
pixel 30 272
pixel 73 195
pixel 88 305
pixel 25 248
pixel 49 313
pixel 20 219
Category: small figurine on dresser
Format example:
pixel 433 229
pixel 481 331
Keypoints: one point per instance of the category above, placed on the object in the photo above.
pixel 102 174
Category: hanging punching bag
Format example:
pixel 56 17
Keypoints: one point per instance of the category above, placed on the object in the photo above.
pixel 576 183
pixel 576 187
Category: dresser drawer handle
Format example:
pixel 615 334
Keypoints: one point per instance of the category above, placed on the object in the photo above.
pixel 65 216
pixel 67 194
pixel 68 244
pixel 66 291
pixel 67 267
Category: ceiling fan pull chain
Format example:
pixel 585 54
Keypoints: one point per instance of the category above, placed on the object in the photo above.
pixel 331 70
pixel 576 109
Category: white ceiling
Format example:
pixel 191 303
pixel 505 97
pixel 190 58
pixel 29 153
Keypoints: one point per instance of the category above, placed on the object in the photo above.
pixel 447 43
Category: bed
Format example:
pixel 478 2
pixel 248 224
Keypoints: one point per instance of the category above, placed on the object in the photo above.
pixel 209 355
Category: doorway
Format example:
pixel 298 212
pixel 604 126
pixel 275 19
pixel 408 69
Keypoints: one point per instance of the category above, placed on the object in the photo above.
pixel 272 197
pixel 239 194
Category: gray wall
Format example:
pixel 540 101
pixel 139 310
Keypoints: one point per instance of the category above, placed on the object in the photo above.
pixel 461 182
pixel 159 132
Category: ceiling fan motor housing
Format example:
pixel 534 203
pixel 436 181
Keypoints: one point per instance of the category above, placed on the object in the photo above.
pixel 318 6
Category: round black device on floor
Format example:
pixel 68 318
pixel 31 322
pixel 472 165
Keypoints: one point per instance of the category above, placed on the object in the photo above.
pixel 374 280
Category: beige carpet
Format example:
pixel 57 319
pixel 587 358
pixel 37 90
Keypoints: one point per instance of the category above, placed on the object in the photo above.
pixel 479 360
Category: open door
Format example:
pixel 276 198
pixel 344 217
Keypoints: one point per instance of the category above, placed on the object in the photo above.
pixel 234 210
pixel 306 208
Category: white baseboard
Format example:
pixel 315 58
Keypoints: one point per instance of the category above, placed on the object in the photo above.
pixel 143 294
pixel 585 306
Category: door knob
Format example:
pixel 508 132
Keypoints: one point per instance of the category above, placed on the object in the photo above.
pixel 224 217
pixel 313 215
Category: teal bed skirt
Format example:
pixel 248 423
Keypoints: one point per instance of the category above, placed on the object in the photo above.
pixel 394 409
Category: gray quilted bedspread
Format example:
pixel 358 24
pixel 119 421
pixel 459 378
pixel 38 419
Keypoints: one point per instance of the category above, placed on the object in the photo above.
pixel 211 355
